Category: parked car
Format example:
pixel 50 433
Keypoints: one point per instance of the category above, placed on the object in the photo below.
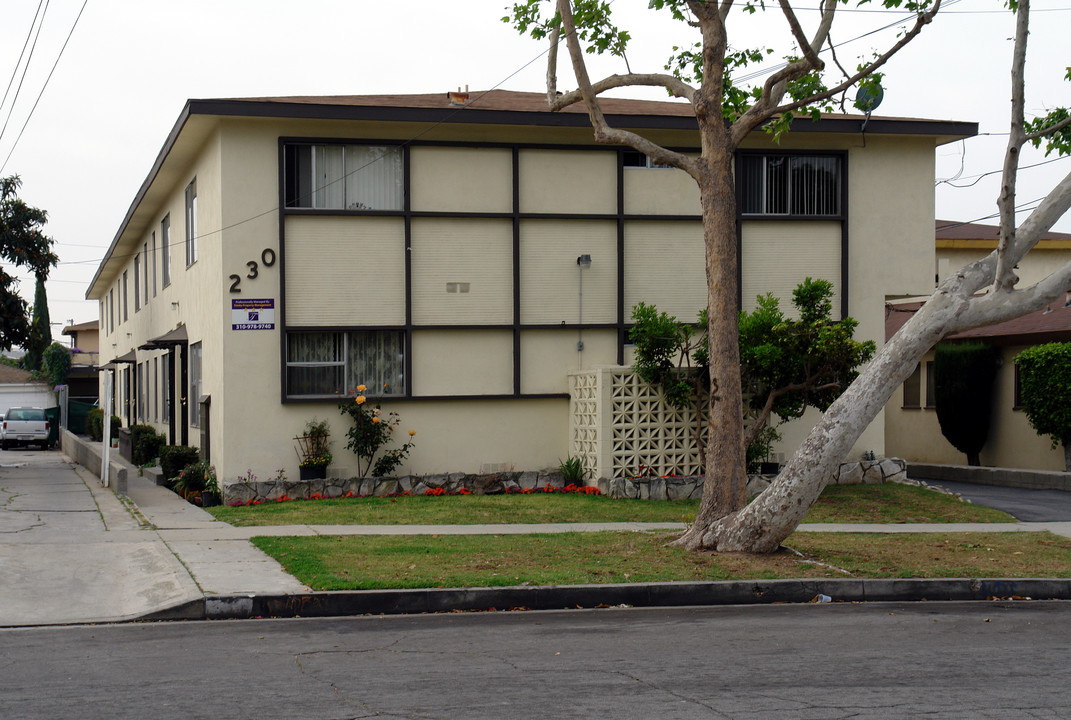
pixel 24 426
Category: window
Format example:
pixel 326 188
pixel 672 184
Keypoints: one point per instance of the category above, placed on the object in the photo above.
pixel 165 250
pixel 633 158
pixel 931 398
pixel 333 363
pixel 145 274
pixel 1017 399
pixel 126 304
pixel 789 185
pixel 137 282
pixel 344 177
pixel 141 392
pixel 111 311
pixel 195 384
pixel 153 265
pixel 912 388
pixel 191 223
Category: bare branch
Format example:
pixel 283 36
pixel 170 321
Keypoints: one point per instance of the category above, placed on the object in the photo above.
pixel 603 132
pixel 1005 276
pixel 808 48
pixel 552 66
pixel 674 85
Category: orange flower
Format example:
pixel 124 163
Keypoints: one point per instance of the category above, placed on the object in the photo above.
pixel 360 388
pixel 375 419
pixel 360 399
pixel 412 433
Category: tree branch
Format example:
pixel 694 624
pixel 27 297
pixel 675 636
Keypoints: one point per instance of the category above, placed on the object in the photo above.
pixel 677 87
pixel 1005 276
pixel 1049 130
pixel 552 66
pixel 603 132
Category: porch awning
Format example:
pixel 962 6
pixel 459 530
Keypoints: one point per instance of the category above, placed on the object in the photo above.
pixel 129 359
pixel 169 339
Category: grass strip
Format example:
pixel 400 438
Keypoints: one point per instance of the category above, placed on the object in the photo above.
pixel 421 561
pixel 888 503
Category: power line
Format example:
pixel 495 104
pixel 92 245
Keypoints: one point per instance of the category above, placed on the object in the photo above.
pixel 978 178
pixel 25 67
pixel 84 3
pixel 15 70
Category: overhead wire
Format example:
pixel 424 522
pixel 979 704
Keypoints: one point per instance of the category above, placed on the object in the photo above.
pixel 25 67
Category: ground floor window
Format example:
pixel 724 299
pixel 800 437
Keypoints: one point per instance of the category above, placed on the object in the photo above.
pixel 334 363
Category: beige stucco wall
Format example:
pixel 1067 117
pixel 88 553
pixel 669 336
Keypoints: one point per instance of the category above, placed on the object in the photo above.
pixel 665 265
pixel 1038 264
pixel 660 191
pixel 462 362
pixel 915 433
pixel 336 265
pixel 472 257
pixel 550 276
pixel 556 181
pixel 454 179
pixel 546 353
pixel 778 256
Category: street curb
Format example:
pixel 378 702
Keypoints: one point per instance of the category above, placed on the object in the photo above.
pixel 345 603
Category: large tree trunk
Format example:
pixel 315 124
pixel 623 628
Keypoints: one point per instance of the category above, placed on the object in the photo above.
pixel 725 484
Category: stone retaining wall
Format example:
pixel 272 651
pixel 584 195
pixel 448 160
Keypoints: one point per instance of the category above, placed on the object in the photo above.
pixel 681 488
pixel 672 488
pixel 242 492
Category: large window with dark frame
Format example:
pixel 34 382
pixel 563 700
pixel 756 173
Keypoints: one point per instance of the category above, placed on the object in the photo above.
pixel 794 185
pixel 195 384
pixel 137 282
pixel 333 363
pixel 165 250
pixel 344 177
pixel 191 223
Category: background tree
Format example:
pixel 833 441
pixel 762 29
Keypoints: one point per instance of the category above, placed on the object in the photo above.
pixel 1045 391
pixel 23 244
pixel 40 336
pixel 726 115
pixel 963 392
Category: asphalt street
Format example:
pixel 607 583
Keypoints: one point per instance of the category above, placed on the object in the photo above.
pixel 982 660
pixel 1023 504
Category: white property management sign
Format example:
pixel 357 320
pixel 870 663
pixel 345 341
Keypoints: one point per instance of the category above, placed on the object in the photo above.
pixel 253 314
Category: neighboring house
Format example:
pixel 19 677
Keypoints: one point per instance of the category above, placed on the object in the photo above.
pixel 17 389
pixel 85 351
pixel 961 243
pixel 284 250
pixel 911 428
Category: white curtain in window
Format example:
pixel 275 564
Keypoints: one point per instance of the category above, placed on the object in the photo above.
pixel 328 173
pixel 377 361
pixel 373 177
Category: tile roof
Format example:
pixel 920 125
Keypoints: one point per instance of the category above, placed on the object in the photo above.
pixel 11 376
pixel 952 230
pixel 1053 324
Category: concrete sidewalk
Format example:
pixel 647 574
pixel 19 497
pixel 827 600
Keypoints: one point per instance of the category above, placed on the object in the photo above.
pixel 71 551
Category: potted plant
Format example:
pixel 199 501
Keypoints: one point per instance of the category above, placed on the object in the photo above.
pixel 313 450
pixel 196 480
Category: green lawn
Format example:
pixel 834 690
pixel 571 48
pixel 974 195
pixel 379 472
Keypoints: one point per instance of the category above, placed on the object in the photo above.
pixel 888 503
pixel 366 562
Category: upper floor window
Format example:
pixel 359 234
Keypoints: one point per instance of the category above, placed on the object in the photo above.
pixel 334 363
pixel 634 158
pixel 126 305
pixel 344 177
pixel 191 223
pixel 153 262
pixel 137 282
pixel 790 184
pixel 165 250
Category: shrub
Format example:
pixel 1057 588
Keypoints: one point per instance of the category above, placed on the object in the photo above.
pixel 173 458
pixel 572 470
pixel 1045 389
pixel 371 431
pixel 57 364
pixel 963 391
pixel 145 444
pixel 95 424
pixel 196 478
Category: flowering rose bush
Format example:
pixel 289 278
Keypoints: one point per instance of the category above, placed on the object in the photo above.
pixel 372 431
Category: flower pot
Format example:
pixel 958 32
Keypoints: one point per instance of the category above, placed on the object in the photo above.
pixel 312 472
pixel 209 499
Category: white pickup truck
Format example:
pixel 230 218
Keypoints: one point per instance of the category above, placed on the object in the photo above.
pixel 24 426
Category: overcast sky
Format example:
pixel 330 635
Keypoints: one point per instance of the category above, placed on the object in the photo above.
pixel 130 66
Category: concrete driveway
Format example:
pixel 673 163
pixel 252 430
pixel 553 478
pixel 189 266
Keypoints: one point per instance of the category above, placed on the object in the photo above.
pixel 71 552
pixel 1023 504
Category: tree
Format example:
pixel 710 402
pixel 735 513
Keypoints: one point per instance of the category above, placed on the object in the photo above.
pixel 23 244
pixel 1045 389
pixel 40 336
pixel 963 392
pixel 726 115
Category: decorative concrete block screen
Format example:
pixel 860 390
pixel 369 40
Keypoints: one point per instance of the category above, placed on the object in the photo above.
pixel 621 427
